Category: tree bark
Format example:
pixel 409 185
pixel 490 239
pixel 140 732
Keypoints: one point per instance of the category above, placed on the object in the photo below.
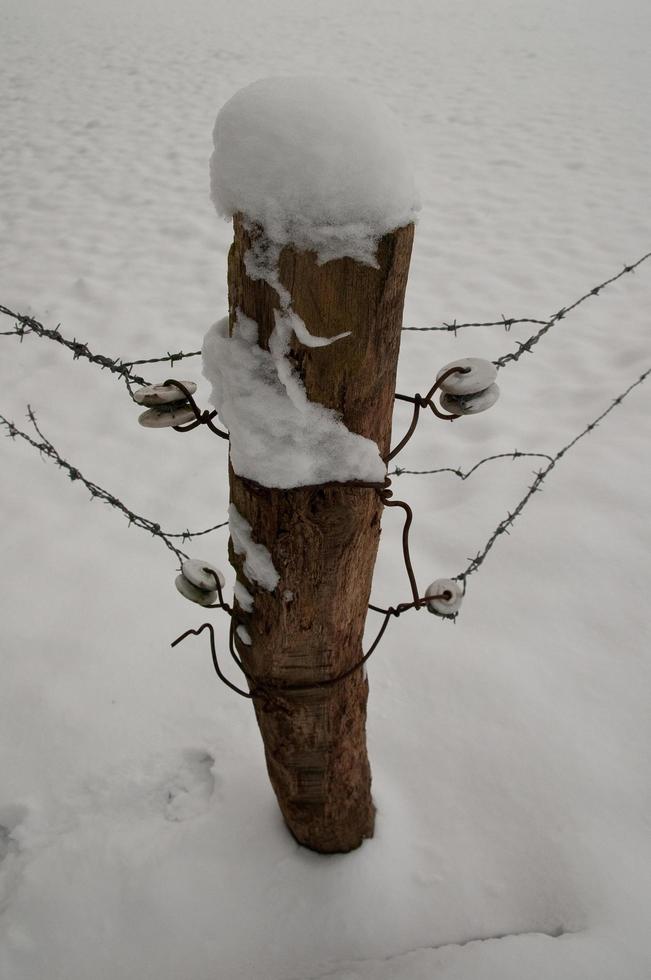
pixel 323 539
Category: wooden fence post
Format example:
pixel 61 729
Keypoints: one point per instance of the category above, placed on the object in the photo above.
pixel 322 539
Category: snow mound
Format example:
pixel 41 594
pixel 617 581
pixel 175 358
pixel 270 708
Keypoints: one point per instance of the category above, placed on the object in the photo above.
pixel 318 163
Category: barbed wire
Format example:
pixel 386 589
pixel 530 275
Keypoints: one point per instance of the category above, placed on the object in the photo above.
pixel 463 475
pixel 47 449
pixel 540 477
pixel 546 325
pixel 527 346
pixel 273 696
pixel 172 358
pixel 26 325
pixel 506 322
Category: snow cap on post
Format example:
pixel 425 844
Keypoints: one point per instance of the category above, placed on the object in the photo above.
pixel 318 163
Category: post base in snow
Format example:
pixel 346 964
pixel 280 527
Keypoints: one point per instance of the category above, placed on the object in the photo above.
pixel 324 797
pixel 308 631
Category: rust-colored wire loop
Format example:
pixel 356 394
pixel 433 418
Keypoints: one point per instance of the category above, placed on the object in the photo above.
pixel 419 402
pixel 201 417
pixel 220 604
pixel 273 695
pixel 405 538
pixel 385 495
pixel 213 651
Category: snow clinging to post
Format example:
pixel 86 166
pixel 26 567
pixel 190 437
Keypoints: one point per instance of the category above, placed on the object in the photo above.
pixel 258 564
pixel 279 438
pixel 243 597
pixel 319 164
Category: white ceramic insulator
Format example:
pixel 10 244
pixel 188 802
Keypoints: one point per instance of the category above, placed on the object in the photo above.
pixel 191 592
pixel 470 404
pixel 155 395
pixel 159 418
pixel 194 570
pixel 445 606
pixel 481 375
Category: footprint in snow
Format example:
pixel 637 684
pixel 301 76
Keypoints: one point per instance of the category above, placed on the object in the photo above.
pixel 11 816
pixel 188 792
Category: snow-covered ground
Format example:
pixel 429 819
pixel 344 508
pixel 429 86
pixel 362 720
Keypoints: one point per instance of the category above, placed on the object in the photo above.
pixel 141 838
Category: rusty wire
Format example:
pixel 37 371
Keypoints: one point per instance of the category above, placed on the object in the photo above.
pixel 463 475
pixel 273 694
pixel 385 496
pixel 505 322
pixel 213 651
pixel 204 417
pixel 220 604
pixel 26 325
pixel 540 476
pixel 164 358
pixel 507 522
pixel 47 450
pixel 418 401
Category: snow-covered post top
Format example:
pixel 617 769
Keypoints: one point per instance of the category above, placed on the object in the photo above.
pixel 319 164
pixel 303 370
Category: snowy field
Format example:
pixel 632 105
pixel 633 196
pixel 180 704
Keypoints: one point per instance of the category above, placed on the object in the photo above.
pixel 139 836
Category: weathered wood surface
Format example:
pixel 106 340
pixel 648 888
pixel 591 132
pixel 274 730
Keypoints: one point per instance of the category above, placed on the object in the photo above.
pixel 323 540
